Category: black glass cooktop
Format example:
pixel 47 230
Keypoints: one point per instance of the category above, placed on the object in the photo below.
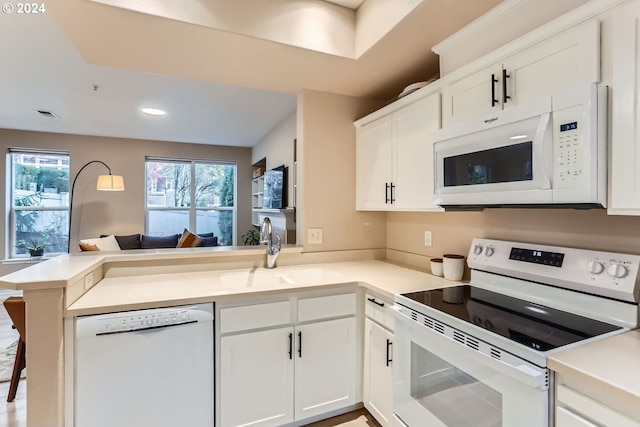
pixel 536 326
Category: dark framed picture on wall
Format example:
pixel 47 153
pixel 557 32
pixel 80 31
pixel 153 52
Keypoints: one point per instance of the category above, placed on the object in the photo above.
pixel 275 188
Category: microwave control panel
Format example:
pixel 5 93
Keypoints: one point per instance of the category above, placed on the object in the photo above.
pixel 569 149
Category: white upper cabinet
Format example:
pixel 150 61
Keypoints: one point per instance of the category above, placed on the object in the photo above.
pixel 373 164
pixel 624 175
pixel 394 157
pixel 413 168
pixel 565 60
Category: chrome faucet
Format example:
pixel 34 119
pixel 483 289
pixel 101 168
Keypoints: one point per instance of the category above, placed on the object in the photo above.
pixel 267 237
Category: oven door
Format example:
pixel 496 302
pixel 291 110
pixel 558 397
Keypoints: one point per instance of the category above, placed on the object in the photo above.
pixel 506 161
pixel 443 378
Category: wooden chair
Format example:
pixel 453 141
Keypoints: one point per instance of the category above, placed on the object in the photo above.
pixel 15 307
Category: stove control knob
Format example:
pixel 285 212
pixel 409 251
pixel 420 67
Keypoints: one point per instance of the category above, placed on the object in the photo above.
pixel 477 249
pixel 617 271
pixel 489 251
pixel 595 267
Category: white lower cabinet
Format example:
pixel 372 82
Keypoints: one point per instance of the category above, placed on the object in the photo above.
pixel 574 409
pixel 378 380
pixel 288 372
pixel 377 393
pixel 256 377
pixel 325 369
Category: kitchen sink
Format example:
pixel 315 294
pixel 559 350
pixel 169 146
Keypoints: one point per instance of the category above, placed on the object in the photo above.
pixel 279 277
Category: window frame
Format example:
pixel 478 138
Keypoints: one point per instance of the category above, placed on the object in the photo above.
pixel 192 209
pixel 11 221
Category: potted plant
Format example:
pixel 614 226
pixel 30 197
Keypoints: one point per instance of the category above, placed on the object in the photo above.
pixel 34 246
pixel 251 237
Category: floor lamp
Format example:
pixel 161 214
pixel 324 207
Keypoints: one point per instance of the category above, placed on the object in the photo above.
pixel 105 183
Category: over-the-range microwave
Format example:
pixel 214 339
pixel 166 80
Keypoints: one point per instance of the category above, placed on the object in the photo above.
pixel 545 153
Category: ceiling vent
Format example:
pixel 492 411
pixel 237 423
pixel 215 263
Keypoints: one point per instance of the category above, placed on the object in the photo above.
pixel 48 114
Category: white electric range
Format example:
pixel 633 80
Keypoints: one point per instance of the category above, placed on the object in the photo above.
pixel 476 355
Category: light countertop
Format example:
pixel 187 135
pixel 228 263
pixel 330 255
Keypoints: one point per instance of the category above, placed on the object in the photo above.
pixel 144 291
pixel 608 369
pixel 60 271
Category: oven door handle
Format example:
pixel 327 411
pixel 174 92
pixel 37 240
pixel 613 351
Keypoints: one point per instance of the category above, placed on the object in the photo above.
pixel 522 373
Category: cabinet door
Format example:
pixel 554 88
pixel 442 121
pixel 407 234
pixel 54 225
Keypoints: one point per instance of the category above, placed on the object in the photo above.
pixel 569 59
pixel 325 367
pixel 562 61
pixel 624 178
pixel 256 378
pixel 414 165
pixel 373 164
pixel 472 95
pixel 378 382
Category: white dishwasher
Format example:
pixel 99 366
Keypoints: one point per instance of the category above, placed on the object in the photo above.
pixel 145 368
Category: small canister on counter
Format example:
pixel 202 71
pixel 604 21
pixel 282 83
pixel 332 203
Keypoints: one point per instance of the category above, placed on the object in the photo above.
pixel 453 266
pixel 436 267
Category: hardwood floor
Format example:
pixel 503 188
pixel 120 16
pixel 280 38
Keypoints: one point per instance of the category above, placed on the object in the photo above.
pixel 359 418
pixel 12 414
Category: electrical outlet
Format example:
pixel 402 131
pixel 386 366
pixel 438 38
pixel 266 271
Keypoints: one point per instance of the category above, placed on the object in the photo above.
pixel 427 238
pixel 314 236
pixel 88 281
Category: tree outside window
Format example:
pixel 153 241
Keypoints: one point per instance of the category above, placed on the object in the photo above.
pixel 197 195
pixel 40 202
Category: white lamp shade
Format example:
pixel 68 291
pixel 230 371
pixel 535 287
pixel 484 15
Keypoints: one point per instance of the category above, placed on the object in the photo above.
pixel 110 183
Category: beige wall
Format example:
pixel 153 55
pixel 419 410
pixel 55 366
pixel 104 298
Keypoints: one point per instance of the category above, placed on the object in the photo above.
pixel 327 179
pixel 98 213
pixel 277 147
pixel 453 231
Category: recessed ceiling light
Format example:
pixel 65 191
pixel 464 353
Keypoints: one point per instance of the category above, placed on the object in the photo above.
pixel 518 137
pixel 154 111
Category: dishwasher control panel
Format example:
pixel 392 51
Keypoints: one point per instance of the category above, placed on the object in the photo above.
pixel 143 320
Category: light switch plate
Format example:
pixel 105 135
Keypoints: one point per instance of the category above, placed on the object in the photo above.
pixel 427 238
pixel 314 236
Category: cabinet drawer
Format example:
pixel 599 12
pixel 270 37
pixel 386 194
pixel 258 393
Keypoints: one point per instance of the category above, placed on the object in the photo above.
pixel 379 310
pixel 326 307
pixel 571 406
pixel 255 316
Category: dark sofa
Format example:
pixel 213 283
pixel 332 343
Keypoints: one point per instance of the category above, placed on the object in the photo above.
pixel 143 241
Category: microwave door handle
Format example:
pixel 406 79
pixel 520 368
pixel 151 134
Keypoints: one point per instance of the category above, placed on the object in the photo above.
pixel 544 151
pixel 494 101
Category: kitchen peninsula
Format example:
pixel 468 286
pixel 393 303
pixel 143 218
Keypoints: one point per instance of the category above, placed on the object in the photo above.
pixel 59 289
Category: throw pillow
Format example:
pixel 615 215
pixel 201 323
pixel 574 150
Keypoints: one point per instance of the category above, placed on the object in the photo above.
pixel 208 241
pixel 108 243
pixel 131 241
pixel 88 248
pixel 188 240
pixel 159 242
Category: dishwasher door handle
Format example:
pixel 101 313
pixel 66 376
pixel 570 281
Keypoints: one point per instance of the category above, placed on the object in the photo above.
pixel 158 328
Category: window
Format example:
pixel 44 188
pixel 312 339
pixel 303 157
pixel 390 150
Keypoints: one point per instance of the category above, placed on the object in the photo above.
pixel 194 194
pixel 39 183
